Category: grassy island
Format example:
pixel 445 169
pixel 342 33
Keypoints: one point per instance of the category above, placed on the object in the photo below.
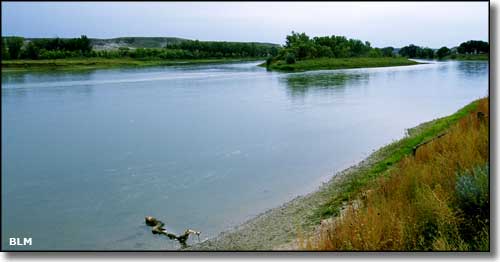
pixel 339 63
pixel 302 53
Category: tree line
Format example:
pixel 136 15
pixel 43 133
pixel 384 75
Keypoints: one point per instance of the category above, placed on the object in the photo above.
pixel 473 47
pixel 18 48
pixel 300 46
pixel 15 48
pixel 469 47
pixel 224 49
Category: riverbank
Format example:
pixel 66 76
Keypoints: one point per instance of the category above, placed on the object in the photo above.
pixel 436 199
pixel 338 63
pixel 278 228
pixel 103 63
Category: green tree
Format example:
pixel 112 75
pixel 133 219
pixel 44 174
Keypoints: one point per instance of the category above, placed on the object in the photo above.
pixel 269 60
pixel 427 53
pixel 14 45
pixel 5 53
pixel 32 51
pixel 290 58
pixel 442 52
pixel 296 39
pixel 84 44
pixel 473 47
pixel 387 51
pixel 375 52
pixel 409 51
pixel 123 51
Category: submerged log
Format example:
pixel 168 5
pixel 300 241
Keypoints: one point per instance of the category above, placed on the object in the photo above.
pixel 158 228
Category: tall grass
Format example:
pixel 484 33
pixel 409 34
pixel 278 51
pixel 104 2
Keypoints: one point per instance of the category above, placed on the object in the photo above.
pixel 437 199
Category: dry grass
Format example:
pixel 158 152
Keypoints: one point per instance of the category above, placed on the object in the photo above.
pixel 415 205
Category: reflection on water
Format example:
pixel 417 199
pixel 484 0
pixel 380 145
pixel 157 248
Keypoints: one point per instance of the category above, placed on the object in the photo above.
pixel 471 68
pixel 302 83
pixel 16 78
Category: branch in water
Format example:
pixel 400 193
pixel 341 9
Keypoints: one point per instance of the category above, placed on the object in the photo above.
pixel 158 229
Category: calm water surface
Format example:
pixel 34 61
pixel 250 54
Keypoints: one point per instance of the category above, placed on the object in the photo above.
pixel 86 155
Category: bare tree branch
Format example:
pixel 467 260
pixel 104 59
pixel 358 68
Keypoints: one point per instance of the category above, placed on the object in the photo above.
pixel 158 228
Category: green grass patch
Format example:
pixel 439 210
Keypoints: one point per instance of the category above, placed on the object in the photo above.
pixel 100 63
pixel 339 63
pixel 349 188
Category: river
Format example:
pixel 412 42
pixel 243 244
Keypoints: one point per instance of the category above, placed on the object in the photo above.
pixel 87 155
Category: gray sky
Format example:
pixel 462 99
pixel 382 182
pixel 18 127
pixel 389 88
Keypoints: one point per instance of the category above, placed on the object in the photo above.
pixel 432 24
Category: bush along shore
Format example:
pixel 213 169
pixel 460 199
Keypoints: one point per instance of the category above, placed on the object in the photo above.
pixel 427 191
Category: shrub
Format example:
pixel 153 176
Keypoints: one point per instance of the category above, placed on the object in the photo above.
pixel 472 189
pixel 375 53
pixel 442 52
pixel 31 51
pixel 14 45
pixel 290 58
pixel 472 199
pixel 269 60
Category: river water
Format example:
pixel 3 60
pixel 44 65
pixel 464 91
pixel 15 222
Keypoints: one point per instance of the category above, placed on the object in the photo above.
pixel 87 155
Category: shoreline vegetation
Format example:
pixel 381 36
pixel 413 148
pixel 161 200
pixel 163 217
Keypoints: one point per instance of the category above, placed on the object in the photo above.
pixel 307 222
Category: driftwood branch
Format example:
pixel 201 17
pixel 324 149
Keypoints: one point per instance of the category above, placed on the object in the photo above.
pixel 158 228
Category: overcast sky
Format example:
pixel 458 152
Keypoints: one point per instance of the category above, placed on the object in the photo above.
pixel 432 24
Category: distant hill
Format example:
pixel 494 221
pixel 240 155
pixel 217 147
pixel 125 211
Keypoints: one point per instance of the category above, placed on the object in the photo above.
pixel 145 42
pixel 134 42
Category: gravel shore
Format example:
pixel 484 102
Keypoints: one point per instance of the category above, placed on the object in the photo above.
pixel 278 228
